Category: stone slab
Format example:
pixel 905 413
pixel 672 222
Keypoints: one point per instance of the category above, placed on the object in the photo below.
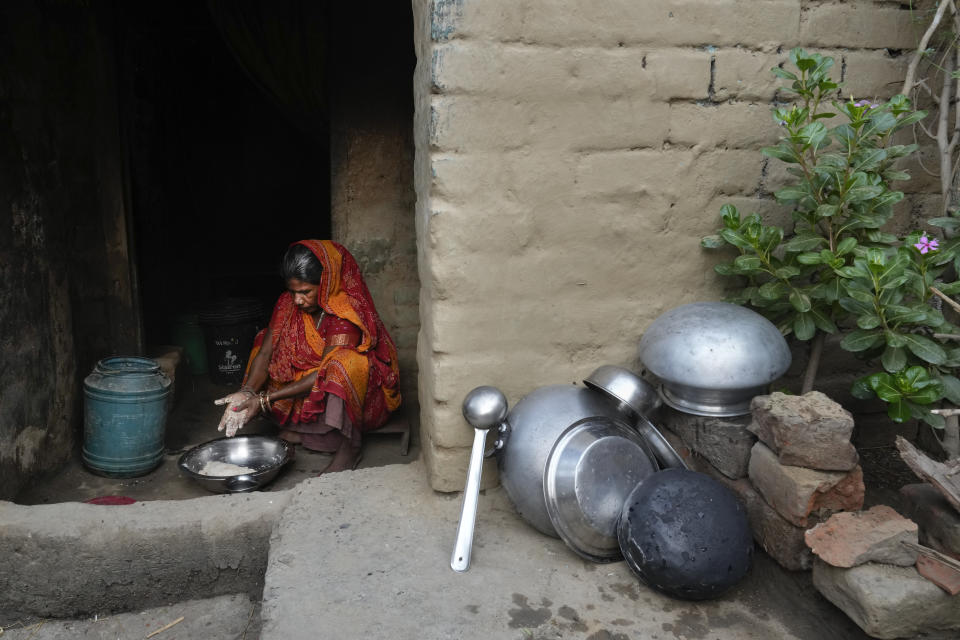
pixel 809 431
pixel 227 617
pixel 724 442
pixel 938 521
pixel 781 539
pixel 73 559
pixel 886 601
pixel 367 554
pixel 939 573
pixel 853 538
pixel 796 492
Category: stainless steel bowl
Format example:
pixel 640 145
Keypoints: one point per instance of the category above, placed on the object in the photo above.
pixel 264 454
pixel 591 470
pixel 712 358
pixel 625 387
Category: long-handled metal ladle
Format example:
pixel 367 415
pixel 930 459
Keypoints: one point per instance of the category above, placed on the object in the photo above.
pixel 484 407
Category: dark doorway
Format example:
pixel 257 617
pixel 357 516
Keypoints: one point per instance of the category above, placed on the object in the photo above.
pixel 221 179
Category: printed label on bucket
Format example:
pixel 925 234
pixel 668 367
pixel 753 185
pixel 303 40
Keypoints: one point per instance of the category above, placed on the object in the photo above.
pixel 230 363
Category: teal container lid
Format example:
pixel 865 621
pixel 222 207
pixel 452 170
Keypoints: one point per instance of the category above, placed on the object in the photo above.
pixel 127 375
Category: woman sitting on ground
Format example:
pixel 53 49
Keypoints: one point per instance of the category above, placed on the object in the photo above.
pixel 325 368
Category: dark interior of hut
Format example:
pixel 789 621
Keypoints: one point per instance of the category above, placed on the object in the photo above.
pixel 229 153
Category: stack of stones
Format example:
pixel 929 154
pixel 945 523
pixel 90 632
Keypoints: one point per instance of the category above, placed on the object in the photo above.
pixel 865 569
pixel 790 462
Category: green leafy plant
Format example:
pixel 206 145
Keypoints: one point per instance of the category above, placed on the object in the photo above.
pixel 838 270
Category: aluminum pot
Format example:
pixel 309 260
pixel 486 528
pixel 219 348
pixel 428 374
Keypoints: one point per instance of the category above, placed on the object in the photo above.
pixel 712 358
pixel 528 435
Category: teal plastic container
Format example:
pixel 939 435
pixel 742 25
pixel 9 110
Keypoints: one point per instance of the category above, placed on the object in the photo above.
pixel 125 416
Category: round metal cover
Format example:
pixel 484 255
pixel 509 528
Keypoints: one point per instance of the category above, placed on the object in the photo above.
pixel 685 535
pixel 591 470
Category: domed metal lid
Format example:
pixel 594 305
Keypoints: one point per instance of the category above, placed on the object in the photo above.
pixel 591 470
pixel 712 358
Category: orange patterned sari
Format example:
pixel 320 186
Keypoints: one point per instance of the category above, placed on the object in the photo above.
pixel 362 368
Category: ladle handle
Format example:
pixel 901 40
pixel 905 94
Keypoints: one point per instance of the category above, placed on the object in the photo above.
pixel 460 560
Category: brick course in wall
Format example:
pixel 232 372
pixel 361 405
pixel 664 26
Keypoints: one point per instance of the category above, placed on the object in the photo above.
pixel 570 155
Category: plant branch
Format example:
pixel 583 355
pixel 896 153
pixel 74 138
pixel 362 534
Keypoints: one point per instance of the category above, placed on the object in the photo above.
pixel 908 82
pixel 945 298
pixel 816 349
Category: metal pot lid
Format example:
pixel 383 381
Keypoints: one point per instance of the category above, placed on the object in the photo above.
pixel 686 535
pixel 712 358
pixel 625 387
pixel 591 470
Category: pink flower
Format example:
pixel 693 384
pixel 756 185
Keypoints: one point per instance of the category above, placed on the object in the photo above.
pixel 927 244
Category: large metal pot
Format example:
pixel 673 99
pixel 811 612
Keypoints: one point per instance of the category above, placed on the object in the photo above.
pixel 535 424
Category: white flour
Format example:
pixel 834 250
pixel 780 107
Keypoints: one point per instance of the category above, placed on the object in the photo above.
pixel 214 468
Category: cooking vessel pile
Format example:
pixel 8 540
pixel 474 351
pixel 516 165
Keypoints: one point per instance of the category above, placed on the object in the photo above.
pixel 569 458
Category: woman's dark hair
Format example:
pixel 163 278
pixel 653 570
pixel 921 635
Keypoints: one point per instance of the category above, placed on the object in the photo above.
pixel 300 263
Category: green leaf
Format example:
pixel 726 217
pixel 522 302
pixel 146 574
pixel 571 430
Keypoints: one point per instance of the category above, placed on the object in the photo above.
pixel 808 258
pixel 784 153
pixel 912 118
pixel 823 321
pixel 846 246
pixel 927 395
pixel 725 269
pixel 892 176
pixel 813 133
pixel 772 290
pixel 855 306
pixel 898 411
pixel 868 321
pixel 925 348
pixel 735 239
pixel 914 378
pixel 800 301
pixel 748 263
pixel 860 340
pixel 712 242
pixel 803 326
pixel 805 242
pixel 953 358
pixel 865 297
pixel 932 419
pixel 787 272
pixel 790 194
pixel 896 314
pixel 780 73
pixel 884 386
pixel 859 194
pixel 894 358
pixel 895 339
pixel 944 223
pixel 951 388
pixel 730 216
pixel 861 389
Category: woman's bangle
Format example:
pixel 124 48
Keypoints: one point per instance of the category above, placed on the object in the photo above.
pixel 265 402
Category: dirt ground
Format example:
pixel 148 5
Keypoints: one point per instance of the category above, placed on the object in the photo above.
pixel 193 421
pixel 789 597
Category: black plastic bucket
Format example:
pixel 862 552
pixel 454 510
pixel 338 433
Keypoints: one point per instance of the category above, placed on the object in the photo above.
pixel 230 325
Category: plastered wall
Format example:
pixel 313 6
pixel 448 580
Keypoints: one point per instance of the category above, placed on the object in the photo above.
pixel 569 156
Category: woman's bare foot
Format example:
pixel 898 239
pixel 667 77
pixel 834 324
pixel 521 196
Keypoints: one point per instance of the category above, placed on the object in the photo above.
pixel 290 436
pixel 346 457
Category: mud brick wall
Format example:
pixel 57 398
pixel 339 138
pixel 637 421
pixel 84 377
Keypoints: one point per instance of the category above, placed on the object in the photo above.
pixel 569 156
